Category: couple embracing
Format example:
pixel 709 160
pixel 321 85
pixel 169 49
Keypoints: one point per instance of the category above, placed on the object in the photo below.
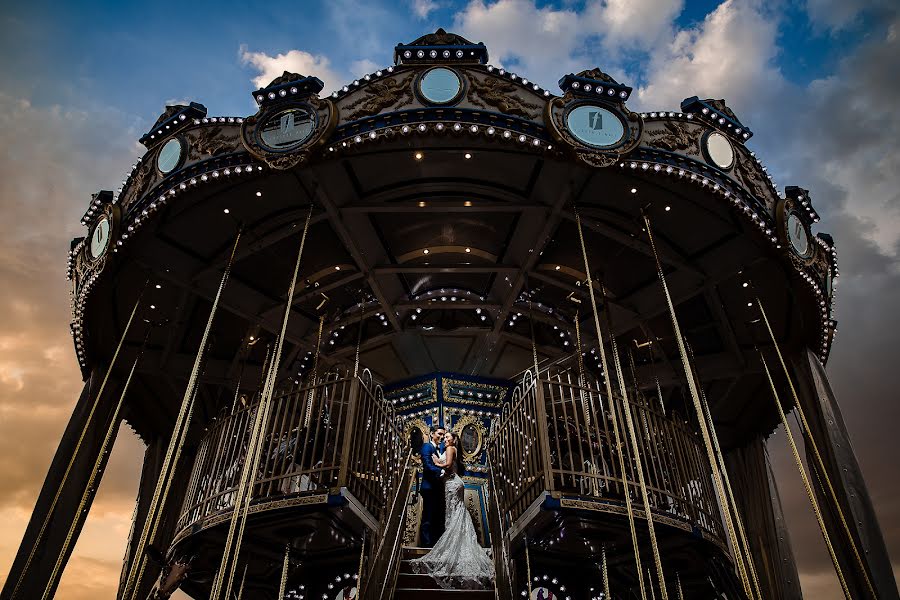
pixel 456 559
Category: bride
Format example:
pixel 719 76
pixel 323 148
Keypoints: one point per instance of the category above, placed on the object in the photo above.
pixel 457 559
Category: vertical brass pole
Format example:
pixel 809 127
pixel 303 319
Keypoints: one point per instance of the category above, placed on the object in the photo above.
pixel 240 513
pixel 620 447
pixel 815 450
pixel 528 567
pixel 243 581
pixel 745 543
pixel 605 573
pixel 639 463
pixel 650 583
pixel 809 491
pixel 704 430
pixel 92 480
pixel 84 430
pixel 582 382
pixel 284 571
pixel 176 442
pixel 359 572
pixel 312 381
pixel 678 583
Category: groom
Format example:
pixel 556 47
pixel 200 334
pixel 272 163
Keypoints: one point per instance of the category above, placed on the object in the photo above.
pixel 432 490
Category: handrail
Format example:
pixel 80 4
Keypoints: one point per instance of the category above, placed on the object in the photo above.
pixel 383 568
pixel 306 448
pixel 556 436
pixel 503 572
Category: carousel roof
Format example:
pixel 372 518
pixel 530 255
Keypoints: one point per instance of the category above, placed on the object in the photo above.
pixel 442 195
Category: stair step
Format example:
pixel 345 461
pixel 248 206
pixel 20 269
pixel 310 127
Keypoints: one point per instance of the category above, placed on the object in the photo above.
pixel 434 594
pixel 414 552
pixel 419 581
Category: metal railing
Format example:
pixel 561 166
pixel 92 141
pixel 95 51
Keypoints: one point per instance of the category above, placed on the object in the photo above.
pixel 306 448
pixel 559 437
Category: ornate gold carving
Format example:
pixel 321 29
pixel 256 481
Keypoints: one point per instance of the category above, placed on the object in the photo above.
pixel 674 137
pixel 620 510
pixel 441 38
pixel 448 397
pixel 750 178
pixel 225 514
pixel 421 426
pixel 212 141
pixel 139 182
pixel 462 423
pixel 411 527
pixel 380 95
pixel 473 506
pixel 327 120
pixel 554 119
pixel 502 95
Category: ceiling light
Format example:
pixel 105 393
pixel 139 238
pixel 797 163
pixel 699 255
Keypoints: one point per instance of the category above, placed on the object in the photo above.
pixel 421 204
pixel 558 267
pixel 226 211
pixel 467 203
pixel 258 194
pixel 337 267
pixel 634 190
pixel 745 284
pixel 468 155
pixel 668 208
pixel 426 251
pixel 467 250
pixel 158 286
pixel 418 155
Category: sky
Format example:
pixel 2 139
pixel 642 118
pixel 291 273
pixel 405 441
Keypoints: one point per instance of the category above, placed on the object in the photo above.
pixel 816 80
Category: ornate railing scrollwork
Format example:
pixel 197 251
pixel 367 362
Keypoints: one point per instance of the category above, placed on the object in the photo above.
pixel 543 442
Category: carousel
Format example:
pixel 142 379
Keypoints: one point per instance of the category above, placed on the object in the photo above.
pixel 614 310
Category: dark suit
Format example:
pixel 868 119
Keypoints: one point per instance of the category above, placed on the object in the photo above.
pixel 432 490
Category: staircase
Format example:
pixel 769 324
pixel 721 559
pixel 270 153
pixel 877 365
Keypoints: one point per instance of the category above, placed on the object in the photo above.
pixel 412 586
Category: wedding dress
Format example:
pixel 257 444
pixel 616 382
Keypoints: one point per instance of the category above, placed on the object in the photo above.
pixel 457 560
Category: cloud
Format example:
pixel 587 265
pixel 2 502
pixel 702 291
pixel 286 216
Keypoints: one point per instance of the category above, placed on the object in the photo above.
pixel 631 24
pixel 546 42
pixel 540 41
pixel 730 54
pixel 423 8
pixel 836 15
pixel 61 155
pixel 293 61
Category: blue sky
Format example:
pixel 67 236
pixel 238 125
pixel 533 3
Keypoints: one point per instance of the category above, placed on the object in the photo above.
pixel 816 80
pixel 133 57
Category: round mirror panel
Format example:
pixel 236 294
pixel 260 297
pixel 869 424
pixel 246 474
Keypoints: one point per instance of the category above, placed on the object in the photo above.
pixel 797 234
pixel 595 126
pixel 719 150
pixel 288 129
pixel 470 439
pixel 170 156
pixel 416 439
pixel 440 86
pixel 100 237
pixel 542 593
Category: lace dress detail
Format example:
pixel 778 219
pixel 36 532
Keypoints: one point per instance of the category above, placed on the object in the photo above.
pixel 457 560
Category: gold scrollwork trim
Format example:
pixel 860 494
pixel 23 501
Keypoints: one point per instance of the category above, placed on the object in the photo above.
pixel 448 397
pixel 214 520
pixel 428 400
pixel 463 422
pixel 419 424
